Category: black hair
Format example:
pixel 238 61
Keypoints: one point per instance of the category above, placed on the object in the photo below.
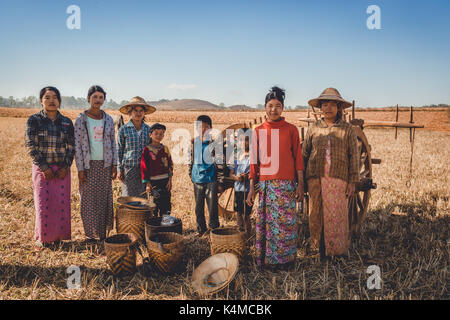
pixel 94 89
pixel 206 119
pixel 276 93
pixel 157 126
pixel 44 90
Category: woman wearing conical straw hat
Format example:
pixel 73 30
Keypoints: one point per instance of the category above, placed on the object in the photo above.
pixel 131 141
pixel 331 159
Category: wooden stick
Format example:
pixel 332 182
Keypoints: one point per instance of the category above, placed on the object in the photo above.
pixel 228 201
pixel 353 109
pixel 302 130
pixel 314 113
pixel 411 121
pixel 391 124
pixel 411 115
pixel 396 120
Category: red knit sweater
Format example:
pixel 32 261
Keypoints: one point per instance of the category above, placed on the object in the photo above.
pixel 286 157
pixel 155 161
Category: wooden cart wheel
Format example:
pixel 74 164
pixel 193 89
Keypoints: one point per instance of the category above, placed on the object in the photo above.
pixel 226 204
pixel 359 203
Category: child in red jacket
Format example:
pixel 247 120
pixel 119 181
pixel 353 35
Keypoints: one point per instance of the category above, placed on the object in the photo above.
pixel 157 170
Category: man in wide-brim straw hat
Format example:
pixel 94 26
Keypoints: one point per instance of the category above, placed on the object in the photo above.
pixel 331 159
pixel 131 141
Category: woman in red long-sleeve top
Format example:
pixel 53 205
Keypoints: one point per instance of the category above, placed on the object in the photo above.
pixel 277 162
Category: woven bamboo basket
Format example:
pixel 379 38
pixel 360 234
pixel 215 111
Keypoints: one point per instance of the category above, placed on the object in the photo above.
pixel 132 221
pixel 121 253
pixel 165 250
pixel 228 240
pixel 137 203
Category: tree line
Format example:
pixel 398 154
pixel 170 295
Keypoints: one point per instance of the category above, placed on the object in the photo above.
pixel 81 103
pixel 66 103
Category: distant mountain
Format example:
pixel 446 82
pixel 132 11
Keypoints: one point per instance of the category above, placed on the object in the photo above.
pixel 185 104
pixel 240 107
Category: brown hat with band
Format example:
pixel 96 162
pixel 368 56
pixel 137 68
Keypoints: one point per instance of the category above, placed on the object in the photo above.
pixel 330 94
pixel 137 102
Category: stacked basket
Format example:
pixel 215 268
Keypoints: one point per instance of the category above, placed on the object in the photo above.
pixel 165 250
pixel 228 240
pixel 132 218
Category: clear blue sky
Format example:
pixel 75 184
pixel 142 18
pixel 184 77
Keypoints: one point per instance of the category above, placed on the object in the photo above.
pixel 229 51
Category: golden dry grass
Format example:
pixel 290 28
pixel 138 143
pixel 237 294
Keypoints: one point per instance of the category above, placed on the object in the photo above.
pixel 406 234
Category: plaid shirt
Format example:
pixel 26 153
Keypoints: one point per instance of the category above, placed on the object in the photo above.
pixel 50 142
pixel 130 145
pixel 344 151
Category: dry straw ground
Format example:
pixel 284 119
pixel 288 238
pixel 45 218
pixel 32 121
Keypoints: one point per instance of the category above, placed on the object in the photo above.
pixel 406 234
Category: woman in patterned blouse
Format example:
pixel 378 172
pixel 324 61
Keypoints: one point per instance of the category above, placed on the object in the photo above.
pixel 50 142
pixel 96 159
pixel 331 159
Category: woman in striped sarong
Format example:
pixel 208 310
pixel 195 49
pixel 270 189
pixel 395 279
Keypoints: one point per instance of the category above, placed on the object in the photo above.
pixel 50 142
pixel 131 141
pixel 96 160
pixel 276 160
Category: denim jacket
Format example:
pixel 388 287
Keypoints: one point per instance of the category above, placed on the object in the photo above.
pixel 82 145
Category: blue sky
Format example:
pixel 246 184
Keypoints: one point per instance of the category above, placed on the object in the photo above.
pixel 229 51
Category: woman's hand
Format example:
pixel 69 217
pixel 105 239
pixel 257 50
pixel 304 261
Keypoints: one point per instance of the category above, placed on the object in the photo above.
pixel 299 192
pixel 48 174
pixel 82 177
pixel 251 196
pixel 350 189
pixel 169 184
pixel 120 176
pixel 242 177
pixel 148 188
pixel 114 172
pixel 61 173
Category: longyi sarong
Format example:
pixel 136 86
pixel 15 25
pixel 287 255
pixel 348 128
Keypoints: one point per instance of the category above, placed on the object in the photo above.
pixel 132 185
pixel 52 205
pixel 328 212
pixel 96 199
pixel 276 223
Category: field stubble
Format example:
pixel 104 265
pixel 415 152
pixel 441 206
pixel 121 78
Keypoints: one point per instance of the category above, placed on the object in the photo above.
pixel 406 234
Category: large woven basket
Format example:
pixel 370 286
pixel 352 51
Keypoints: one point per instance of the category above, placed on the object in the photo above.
pixel 132 221
pixel 129 202
pixel 228 240
pixel 121 253
pixel 165 250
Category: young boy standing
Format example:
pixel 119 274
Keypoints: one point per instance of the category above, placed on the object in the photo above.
pixel 157 170
pixel 239 172
pixel 203 173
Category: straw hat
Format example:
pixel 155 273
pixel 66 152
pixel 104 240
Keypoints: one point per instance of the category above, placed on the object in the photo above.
pixel 330 94
pixel 215 273
pixel 137 102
